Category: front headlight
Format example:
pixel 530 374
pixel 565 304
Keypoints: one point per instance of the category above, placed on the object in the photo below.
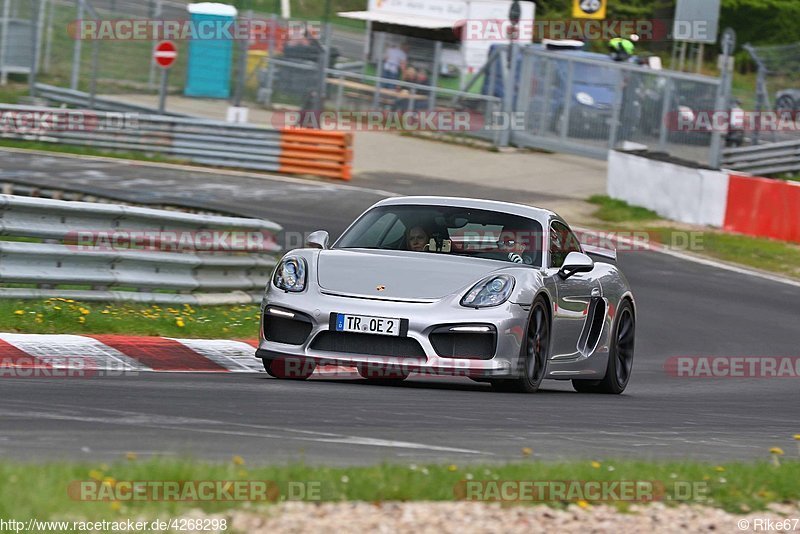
pixel 584 98
pixel 290 275
pixel 491 291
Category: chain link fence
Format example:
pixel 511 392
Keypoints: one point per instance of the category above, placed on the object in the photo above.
pixel 583 103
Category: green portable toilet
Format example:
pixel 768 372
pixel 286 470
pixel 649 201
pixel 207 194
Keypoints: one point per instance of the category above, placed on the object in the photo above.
pixel 208 73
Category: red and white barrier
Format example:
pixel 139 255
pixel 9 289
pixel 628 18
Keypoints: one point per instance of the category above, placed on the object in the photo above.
pixel 35 355
pixel 749 205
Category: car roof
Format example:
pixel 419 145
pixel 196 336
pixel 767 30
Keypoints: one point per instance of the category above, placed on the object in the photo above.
pixel 531 212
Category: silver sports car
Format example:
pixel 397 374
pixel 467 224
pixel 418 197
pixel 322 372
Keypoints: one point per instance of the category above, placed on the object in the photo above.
pixel 498 292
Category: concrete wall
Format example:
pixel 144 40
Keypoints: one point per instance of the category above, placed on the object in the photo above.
pixel 695 196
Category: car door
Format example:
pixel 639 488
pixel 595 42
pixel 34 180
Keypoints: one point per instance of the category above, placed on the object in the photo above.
pixel 573 295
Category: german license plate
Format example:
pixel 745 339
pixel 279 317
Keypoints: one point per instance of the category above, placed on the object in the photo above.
pixel 365 324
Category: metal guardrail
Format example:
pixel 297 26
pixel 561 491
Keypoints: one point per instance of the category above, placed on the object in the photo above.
pixel 84 100
pixel 50 244
pixel 204 141
pixel 770 158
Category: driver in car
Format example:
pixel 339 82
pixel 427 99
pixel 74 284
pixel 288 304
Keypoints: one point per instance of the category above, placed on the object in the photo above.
pixel 513 250
pixel 417 239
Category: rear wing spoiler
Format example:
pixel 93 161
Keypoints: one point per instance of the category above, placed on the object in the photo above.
pixel 608 253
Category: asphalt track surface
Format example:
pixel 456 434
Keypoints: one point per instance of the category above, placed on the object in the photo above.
pixel 684 309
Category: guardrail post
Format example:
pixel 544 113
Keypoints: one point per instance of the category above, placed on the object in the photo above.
pixel 76 50
pixel 4 43
pixel 564 126
pixel 665 107
pixel 434 79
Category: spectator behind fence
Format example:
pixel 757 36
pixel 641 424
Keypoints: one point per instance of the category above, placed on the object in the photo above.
pixel 394 61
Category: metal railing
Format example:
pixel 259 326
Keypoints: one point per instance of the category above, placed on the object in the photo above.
pixel 770 158
pixel 588 105
pixel 84 100
pixel 203 141
pixel 114 252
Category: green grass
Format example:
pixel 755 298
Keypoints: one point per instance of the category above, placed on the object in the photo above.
pixel 65 316
pixel 13 91
pixel 40 490
pixel 612 210
pixel 761 253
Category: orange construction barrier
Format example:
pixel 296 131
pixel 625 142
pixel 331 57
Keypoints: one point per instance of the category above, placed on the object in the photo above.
pixel 316 152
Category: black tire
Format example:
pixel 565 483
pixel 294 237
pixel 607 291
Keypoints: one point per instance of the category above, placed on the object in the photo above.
pixel 534 353
pixel 289 369
pixel 382 373
pixel 786 104
pixel 620 356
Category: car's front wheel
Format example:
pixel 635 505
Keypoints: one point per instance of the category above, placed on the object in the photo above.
pixel 620 356
pixel 533 359
pixel 289 368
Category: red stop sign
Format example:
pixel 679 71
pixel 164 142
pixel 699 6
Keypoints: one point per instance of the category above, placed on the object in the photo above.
pixel 165 54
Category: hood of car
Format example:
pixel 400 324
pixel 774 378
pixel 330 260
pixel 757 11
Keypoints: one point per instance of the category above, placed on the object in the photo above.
pixel 398 274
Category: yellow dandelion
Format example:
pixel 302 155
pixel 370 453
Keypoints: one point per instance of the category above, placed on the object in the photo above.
pixel 452 467
pixel 237 460
pixel 96 474
pixel 527 451
pixel 776 453
pixel 81 319
pixel 797 437
pixel 583 504
pixel 105 312
pixel 179 322
pixel 116 506
pixel 84 311
pixel 19 312
pixel 596 464
pixel 719 469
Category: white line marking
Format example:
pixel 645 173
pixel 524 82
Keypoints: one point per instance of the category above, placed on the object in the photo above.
pixel 692 258
pixel 185 424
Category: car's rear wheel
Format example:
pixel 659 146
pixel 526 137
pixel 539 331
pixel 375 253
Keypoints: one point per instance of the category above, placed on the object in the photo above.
pixel 786 104
pixel 620 356
pixel 289 368
pixel 383 373
pixel 534 353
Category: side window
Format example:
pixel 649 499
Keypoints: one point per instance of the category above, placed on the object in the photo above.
pixel 562 242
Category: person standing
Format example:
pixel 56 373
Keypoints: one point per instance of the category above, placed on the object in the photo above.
pixel 394 61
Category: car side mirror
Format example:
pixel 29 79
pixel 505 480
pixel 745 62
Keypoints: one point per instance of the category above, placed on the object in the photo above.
pixel 318 239
pixel 576 262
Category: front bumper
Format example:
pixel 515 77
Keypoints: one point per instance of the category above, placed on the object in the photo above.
pixel 509 321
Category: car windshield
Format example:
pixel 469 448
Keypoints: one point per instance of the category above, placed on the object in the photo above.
pixel 448 230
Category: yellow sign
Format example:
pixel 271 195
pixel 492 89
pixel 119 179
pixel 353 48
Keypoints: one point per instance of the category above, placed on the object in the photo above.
pixel 589 9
